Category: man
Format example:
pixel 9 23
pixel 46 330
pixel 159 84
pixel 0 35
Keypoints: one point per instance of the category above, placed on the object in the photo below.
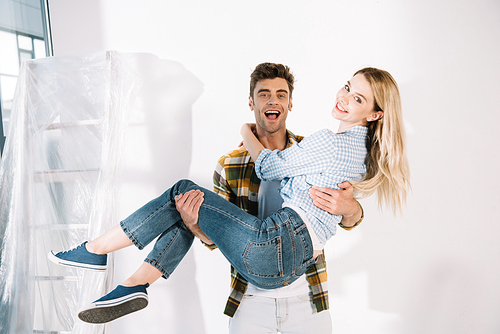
pixel 303 305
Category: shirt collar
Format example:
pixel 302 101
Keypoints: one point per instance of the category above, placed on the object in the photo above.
pixel 357 131
pixel 292 138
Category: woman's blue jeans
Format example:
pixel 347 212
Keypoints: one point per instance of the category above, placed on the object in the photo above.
pixel 268 253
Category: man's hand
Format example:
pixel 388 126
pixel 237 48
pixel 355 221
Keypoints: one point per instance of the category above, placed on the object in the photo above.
pixel 338 202
pixel 188 205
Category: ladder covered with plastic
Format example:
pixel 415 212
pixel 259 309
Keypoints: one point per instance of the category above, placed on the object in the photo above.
pixel 58 186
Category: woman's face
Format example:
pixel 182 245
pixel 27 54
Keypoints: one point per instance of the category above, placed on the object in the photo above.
pixel 355 103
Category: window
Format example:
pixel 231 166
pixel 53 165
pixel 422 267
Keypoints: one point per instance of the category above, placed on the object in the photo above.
pixel 24 35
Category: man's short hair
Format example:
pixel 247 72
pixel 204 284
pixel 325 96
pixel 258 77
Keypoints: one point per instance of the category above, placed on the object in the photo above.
pixel 271 71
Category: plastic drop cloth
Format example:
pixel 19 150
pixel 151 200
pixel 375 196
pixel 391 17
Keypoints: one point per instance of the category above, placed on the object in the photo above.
pixel 58 184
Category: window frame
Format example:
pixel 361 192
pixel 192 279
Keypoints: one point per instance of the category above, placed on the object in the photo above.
pixel 49 51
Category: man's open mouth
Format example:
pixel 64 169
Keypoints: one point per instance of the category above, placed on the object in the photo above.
pixel 272 114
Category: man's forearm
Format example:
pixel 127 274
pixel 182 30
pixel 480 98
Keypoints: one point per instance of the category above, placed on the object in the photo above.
pixel 196 230
pixel 339 202
pixel 351 220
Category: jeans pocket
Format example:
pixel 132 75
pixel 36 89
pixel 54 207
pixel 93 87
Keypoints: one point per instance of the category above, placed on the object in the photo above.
pixel 264 259
pixel 249 296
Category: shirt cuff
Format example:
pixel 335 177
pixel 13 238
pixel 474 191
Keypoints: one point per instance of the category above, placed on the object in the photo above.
pixel 211 247
pixel 258 164
pixel 348 228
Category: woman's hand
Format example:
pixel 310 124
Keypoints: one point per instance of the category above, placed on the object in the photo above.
pixel 188 205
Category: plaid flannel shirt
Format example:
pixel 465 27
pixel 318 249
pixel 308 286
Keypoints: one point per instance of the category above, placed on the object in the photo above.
pixel 235 180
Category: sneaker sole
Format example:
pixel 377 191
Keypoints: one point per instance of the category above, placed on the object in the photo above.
pixel 73 264
pixel 106 313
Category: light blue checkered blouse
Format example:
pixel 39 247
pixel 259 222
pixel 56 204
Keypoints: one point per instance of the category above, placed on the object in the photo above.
pixel 322 159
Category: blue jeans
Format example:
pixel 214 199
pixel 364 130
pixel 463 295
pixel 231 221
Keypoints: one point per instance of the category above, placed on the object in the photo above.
pixel 268 253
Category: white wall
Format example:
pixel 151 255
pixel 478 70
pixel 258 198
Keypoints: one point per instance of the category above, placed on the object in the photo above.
pixel 436 270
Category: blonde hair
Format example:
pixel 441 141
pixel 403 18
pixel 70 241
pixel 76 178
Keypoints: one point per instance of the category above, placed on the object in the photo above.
pixel 387 166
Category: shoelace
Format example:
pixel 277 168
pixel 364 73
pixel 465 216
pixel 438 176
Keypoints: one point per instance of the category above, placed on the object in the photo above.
pixel 73 249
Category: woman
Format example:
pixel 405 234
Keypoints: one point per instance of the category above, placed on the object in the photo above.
pixel 367 150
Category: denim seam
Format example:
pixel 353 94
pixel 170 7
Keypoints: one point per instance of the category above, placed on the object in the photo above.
pixel 155 264
pixel 279 283
pixel 300 228
pixel 168 246
pixel 299 232
pixel 292 238
pixel 225 213
pixel 280 259
pixel 307 264
pixel 148 218
pixel 130 236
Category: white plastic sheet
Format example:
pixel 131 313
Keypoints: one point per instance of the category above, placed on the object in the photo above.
pixel 58 184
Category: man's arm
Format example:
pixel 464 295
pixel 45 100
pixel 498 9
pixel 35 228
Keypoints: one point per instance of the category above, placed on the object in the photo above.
pixel 339 202
pixel 189 207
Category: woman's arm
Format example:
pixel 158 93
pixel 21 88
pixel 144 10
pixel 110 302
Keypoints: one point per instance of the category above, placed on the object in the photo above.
pixel 313 155
pixel 251 142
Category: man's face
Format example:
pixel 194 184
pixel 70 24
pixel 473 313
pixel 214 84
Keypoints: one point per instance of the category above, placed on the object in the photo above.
pixel 270 103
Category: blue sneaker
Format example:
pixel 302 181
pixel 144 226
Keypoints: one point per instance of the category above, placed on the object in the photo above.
pixel 121 301
pixel 80 257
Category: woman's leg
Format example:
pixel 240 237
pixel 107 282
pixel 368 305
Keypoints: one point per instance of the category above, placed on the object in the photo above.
pixel 145 274
pixel 131 296
pixel 159 218
pixel 269 253
pixel 110 241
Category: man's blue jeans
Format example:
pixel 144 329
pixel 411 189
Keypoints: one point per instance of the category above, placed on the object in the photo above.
pixel 268 253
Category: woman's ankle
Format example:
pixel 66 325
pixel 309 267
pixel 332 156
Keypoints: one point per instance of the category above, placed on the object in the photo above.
pixel 132 282
pixel 93 248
